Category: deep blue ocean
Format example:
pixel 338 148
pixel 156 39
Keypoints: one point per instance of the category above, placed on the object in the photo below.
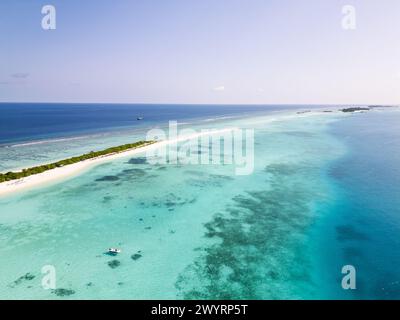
pixel 362 227
pixel 32 121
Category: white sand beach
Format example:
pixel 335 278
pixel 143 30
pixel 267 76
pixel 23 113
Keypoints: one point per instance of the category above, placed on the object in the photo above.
pixel 68 171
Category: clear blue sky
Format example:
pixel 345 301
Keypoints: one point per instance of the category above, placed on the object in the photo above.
pixel 201 51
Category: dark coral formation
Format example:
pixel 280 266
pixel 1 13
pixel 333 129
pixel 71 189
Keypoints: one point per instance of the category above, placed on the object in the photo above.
pixel 349 233
pixel 108 178
pixel 258 244
pixel 169 201
pixel 138 160
pixel 136 256
pixel 26 277
pixel 63 292
pixel 114 264
pixel 137 173
pixel 107 199
pixel 281 168
pixel 202 181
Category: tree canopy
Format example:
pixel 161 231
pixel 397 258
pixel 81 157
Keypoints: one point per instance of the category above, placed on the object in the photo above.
pixel 92 154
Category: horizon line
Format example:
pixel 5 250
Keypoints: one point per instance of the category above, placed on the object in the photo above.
pixel 203 104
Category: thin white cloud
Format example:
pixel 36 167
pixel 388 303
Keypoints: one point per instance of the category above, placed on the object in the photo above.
pixel 219 88
pixel 20 75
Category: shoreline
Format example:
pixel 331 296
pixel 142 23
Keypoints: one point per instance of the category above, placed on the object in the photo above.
pixel 61 173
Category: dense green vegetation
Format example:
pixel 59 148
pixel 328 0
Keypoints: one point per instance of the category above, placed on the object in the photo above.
pixel 93 154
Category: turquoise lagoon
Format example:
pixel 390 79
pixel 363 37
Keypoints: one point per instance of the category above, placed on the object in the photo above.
pixel 202 232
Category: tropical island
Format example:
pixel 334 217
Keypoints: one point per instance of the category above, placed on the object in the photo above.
pixel 358 109
pixel 11 182
pixel 91 155
pixel 355 109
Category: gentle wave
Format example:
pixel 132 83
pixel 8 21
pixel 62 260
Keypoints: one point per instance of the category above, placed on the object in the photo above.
pixel 48 141
pixel 32 143
pixel 220 118
pixel 55 140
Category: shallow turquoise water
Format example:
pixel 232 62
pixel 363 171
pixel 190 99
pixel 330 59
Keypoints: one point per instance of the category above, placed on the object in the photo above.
pixel 186 231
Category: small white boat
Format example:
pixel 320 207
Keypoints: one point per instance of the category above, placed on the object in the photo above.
pixel 114 250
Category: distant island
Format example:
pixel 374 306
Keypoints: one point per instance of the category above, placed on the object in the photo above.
pixel 355 109
pixel 91 155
